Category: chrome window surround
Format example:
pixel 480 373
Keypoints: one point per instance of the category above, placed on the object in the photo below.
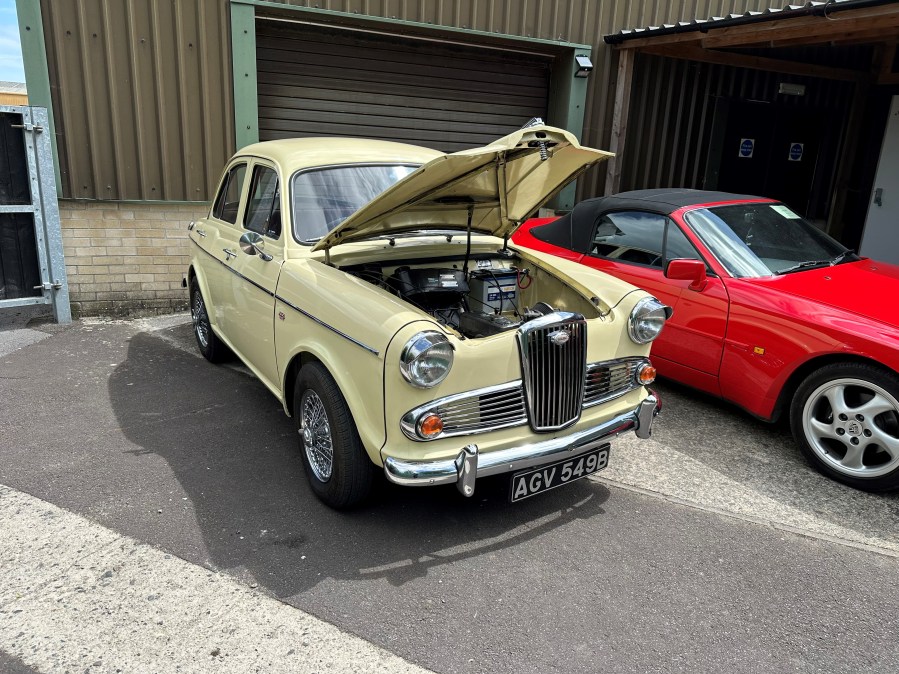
pixel 466 414
pixel 553 370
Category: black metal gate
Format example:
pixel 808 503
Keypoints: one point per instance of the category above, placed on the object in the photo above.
pixel 32 269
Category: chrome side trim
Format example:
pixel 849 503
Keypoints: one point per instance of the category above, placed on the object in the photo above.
pixel 329 327
pixel 427 473
pixel 292 306
pixel 231 269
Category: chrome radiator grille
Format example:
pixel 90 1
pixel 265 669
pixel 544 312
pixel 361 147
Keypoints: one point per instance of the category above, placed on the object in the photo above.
pixel 610 379
pixel 487 411
pixel 478 411
pixel 553 352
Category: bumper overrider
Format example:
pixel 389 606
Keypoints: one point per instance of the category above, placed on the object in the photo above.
pixel 469 464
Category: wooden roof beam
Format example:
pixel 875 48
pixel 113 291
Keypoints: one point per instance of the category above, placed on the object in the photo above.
pixel 800 27
pixel 755 31
pixel 843 40
pixel 888 57
pixel 691 53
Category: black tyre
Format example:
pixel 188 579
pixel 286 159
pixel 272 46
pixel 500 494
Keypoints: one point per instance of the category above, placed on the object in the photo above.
pixel 210 346
pixel 845 418
pixel 337 467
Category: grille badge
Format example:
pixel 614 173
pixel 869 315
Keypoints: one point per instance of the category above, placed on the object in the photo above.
pixel 560 338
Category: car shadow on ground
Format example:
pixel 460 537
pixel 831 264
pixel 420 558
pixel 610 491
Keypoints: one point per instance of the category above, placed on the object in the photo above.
pixel 764 458
pixel 235 454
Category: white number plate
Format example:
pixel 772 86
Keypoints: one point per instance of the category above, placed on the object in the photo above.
pixel 530 482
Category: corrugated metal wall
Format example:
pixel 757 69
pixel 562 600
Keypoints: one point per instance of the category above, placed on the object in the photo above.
pixel 142 88
pixel 141 95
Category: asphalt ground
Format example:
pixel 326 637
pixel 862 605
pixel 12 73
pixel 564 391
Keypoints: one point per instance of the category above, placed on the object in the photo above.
pixel 711 547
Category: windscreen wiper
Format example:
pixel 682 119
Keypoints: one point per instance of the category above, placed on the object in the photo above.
pixel 842 257
pixel 803 265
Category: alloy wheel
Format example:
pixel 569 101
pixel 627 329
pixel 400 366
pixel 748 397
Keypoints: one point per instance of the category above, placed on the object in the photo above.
pixel 852 425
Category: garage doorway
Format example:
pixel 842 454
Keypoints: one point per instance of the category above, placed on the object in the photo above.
pixel 326 81
pixel 768 150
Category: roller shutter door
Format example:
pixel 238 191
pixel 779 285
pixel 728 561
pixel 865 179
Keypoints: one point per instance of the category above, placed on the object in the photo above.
pixel 318 81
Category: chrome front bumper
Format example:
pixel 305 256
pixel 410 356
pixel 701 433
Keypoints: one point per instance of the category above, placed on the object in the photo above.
pixel 469 464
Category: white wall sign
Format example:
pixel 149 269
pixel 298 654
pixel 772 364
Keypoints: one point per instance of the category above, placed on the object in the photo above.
pixel 747 147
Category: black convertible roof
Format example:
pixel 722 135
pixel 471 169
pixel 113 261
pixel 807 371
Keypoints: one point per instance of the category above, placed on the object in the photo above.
pixel 573 230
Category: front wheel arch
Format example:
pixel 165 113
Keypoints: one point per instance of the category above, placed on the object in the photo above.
pixel 802 372
pixel 298 361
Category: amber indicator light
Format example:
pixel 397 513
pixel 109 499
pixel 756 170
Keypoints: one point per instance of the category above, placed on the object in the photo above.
pixel 647 374
pixel 758 351
pixel 430 426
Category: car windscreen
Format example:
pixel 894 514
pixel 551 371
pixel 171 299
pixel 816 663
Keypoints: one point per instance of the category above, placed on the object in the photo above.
pixel 323 198
pixel 763 239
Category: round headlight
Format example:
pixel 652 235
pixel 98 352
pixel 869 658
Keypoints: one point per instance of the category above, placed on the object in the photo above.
pixel 647 320
pixel 426 359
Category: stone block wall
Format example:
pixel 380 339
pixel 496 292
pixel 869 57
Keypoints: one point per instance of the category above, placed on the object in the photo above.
pixel 126 259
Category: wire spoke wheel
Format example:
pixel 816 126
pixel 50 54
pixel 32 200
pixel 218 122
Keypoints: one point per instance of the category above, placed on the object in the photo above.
pixel 209 344
pixel 200 318
pixel 337 467
pixel 316 432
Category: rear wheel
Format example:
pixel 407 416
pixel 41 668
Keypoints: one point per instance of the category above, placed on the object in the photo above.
pixel 845 418
pixel 210 346
pixel 337 467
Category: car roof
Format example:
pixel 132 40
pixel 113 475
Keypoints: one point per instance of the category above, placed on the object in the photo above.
pixel 299 153
pixel 663 201
pixel 575 229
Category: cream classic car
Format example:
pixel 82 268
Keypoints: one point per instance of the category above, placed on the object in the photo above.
pixel 371 287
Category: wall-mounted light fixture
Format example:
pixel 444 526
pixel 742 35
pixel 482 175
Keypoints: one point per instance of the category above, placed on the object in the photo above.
pixel 584 65
pixel 791 89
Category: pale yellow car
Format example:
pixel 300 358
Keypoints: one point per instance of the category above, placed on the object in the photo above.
pixel 372 288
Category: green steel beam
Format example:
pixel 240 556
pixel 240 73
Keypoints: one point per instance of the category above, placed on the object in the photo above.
pixel 243 71
pixel 383 21
pixel 37 73
pixel 567 100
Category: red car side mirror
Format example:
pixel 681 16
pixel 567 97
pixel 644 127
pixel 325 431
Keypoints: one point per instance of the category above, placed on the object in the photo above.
pixel 688 270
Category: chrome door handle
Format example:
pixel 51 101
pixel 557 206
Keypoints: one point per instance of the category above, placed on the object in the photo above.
pixel 201 232
pixel 229 253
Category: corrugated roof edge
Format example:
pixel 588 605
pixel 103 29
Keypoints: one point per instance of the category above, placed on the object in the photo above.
pixel 772 14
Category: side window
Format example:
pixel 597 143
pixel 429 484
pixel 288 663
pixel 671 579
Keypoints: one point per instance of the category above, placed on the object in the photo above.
pixel 677 245
pixel 631 236
pixel 263 213
pixel 228 199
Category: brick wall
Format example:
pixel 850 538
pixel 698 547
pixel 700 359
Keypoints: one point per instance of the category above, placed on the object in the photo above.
pixel 126 259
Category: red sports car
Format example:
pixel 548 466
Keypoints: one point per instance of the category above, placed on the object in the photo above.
pixel 770 313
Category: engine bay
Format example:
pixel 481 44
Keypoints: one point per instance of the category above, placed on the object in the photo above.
pixel 495 295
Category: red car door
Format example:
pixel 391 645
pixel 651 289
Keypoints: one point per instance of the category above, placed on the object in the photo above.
pixel 634 246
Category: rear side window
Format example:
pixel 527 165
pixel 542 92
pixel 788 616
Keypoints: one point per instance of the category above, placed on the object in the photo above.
pixel 641 238
pixel 227 202
pixel 630 236
pixel 263 214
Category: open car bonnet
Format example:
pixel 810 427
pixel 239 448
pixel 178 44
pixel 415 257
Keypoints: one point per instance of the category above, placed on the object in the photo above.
pixel 502 184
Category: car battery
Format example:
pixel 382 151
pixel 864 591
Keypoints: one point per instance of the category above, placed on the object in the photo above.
pixel 493 289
